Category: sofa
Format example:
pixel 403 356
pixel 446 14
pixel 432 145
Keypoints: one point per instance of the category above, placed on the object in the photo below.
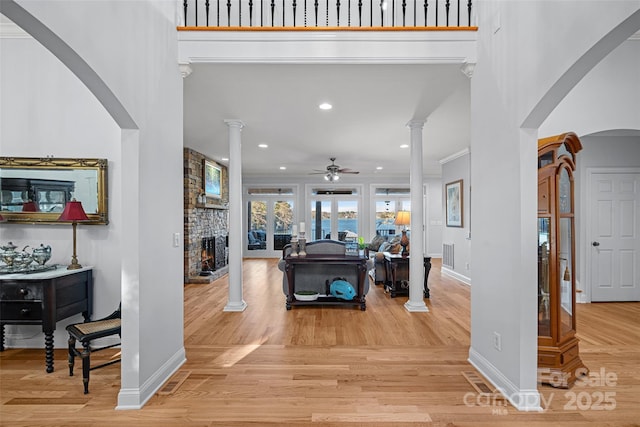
pixel 378 245
pixel 316 276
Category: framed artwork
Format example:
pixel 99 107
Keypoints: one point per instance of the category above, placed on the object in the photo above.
pixel 212 180
pixel 453 193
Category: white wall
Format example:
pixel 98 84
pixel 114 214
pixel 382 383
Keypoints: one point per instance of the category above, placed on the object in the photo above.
pixel 516 83
pixel 597 152
pixel 606 102
pixel 607 98
pixel 454 170
pixel 127 58
pixel 54 114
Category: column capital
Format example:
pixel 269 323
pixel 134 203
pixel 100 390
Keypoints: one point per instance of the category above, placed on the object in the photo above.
pixel 467 68
pixel 416 123
pixel 185 69
pixel 234 123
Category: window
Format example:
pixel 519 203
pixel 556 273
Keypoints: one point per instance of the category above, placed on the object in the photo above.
pixel 387 202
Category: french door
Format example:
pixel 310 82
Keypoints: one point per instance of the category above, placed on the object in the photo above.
pixel 269 226
pixel 333 217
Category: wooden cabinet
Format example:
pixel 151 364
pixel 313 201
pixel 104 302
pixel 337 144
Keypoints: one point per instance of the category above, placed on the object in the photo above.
pixel 559 362
pixel 44 299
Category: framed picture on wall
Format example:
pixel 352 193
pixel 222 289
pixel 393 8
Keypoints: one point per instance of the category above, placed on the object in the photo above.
pixel 212 180
pixel 454 200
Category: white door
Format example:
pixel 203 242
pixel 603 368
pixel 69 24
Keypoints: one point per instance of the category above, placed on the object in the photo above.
pixel 615 242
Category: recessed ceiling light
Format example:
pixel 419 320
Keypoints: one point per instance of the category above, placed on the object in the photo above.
pixel 262 145
pixel 225 159
pixel 404 146
pixel 379 168
pixel 325 106
pixel 283 168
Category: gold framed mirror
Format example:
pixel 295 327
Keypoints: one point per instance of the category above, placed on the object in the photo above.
pixel 35 190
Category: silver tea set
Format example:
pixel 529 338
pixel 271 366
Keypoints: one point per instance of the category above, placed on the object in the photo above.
pixel 22 261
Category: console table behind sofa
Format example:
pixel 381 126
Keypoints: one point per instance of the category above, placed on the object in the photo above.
pixel 325 261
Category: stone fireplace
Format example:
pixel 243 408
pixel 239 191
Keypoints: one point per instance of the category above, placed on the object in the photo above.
pixel 206 225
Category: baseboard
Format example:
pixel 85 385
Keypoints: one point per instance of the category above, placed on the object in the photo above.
pixel 135 398
pixel 523 400
pixel 464 279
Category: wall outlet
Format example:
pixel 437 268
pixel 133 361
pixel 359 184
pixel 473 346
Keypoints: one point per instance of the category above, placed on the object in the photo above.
pixel 176 240
pixel 497 341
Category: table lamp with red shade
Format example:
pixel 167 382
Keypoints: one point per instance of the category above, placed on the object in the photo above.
pixel 73 213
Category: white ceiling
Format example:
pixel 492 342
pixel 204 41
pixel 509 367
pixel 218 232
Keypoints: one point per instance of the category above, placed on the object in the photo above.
pixel 372 104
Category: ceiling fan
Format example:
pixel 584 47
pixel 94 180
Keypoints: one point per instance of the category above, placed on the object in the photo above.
pixel 333 171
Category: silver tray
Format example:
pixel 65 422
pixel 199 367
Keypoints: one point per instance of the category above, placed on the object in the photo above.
pixel 27 270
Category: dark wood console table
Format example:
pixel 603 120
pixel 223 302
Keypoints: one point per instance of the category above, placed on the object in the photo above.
pixel 44 299
pixel 360 263
pixel 393 284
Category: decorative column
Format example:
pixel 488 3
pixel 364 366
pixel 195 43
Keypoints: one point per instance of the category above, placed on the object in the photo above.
pixel 235 302
pixel 416 254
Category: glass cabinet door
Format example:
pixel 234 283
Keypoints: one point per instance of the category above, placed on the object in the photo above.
pixel 565 276
pixel 544 309
pixel 565 252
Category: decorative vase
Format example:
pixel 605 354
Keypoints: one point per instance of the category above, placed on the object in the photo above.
pixel 404 242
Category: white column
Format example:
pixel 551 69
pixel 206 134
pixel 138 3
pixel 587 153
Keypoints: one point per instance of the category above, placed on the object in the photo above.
pixel 235 302
pixel 416 251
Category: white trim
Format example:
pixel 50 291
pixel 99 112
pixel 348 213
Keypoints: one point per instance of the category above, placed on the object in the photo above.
pixel 324 60
pixel 317 47
pixel 135 398
pixel 523 400
pixel 448 272
pixel 454 156
pixel 320 36
pixel 585 272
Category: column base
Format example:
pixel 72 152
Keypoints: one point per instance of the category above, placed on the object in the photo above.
pixel 419 307
pixel 235 306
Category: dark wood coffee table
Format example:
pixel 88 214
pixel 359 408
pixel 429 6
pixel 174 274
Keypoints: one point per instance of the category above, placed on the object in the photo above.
pixel 399 285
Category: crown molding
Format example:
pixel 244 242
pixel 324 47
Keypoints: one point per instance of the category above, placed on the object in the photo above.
pixel 454 156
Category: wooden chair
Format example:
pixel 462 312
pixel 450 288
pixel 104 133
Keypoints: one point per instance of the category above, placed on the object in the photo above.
pixel 87 332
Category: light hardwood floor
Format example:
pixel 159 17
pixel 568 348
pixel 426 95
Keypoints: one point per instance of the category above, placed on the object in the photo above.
pixel 330 366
